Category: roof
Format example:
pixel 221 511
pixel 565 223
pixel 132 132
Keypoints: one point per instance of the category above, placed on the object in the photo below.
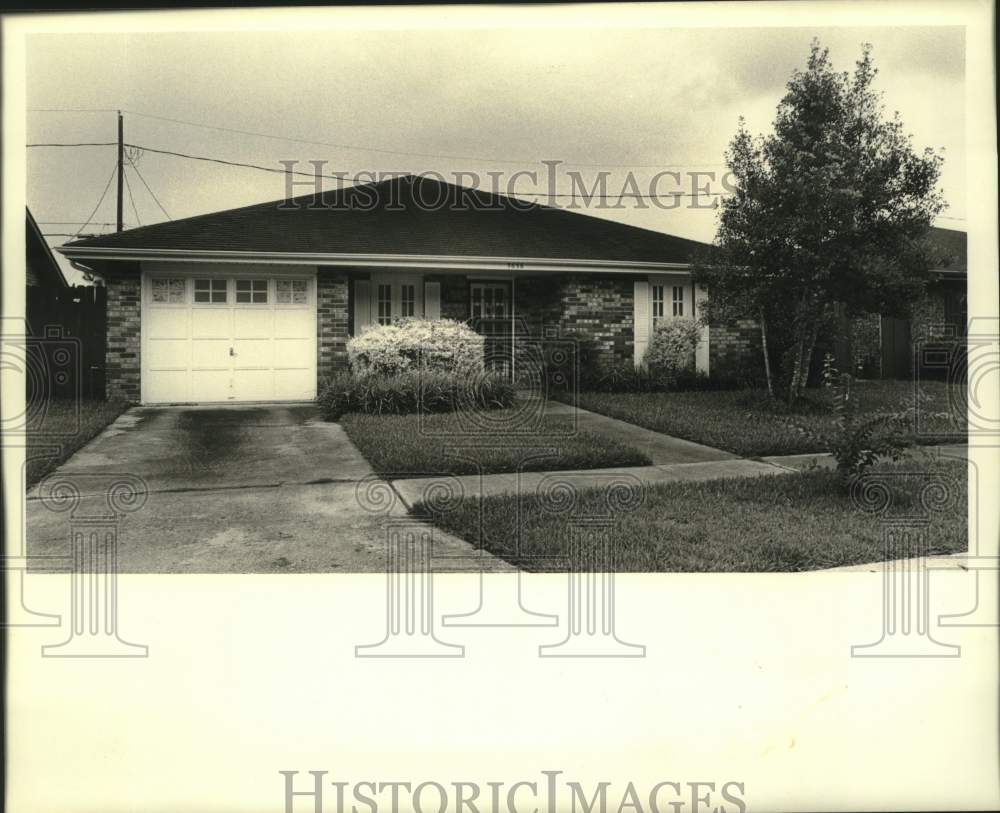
pixel 408 215
pixel 953 246
pixel 41 262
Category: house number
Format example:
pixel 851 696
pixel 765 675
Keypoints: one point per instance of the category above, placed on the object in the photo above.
pixel 515 266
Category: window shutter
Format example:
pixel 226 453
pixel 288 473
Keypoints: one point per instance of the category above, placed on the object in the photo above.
pixel 362 306
pixel 432 300
pixel 642 320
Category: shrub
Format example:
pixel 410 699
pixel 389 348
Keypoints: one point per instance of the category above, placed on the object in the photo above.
pixel 858 441
pixel 432 344
pixel 671 348
pixel 413 391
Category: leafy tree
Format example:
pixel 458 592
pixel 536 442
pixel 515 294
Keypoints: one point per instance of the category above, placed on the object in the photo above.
pixel 832 207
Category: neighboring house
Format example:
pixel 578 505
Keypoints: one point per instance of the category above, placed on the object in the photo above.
pixel 884 346
pixel 42 269
pixel 258 303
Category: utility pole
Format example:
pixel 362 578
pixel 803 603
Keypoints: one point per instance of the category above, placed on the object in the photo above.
pixel 121 161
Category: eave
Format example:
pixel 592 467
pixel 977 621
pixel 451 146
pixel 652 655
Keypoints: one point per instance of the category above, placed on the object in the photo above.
pixel 402 261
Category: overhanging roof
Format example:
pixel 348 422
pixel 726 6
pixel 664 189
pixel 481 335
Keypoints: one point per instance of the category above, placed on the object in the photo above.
pixel 412 218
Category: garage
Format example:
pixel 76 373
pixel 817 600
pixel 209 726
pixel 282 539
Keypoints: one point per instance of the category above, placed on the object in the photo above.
pixel 228 334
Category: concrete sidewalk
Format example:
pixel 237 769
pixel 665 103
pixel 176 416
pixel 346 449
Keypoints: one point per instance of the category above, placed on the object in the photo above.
pixel 659 448
pixel 412 491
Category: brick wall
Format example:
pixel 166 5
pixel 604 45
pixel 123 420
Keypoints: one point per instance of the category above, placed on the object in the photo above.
pixel 866 346
pixel 602 309
pixel 928 319
pixel 331 322
pixel 734 349
pixel 122 358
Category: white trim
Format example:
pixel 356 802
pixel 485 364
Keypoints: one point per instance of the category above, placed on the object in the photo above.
pixel 436 261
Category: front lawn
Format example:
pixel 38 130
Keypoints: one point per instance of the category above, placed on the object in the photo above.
pixel 789 522
pixel 748 424
pixel 58 428
pixel 399 444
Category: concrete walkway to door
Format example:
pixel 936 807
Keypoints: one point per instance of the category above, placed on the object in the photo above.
pixel 234 489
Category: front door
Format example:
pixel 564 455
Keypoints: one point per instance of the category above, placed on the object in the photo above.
pixel 492 316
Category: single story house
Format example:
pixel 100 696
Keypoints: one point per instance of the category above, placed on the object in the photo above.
pixel 258 303
pixel 879 346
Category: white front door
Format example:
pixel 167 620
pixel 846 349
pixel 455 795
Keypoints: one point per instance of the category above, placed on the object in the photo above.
pixel 224 336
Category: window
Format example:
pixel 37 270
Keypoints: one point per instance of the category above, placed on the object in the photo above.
pixel 657 303
pixel 210 290
pixel 384 304
pixel 168 291
pixel 291 291
pixel 251 291
pixel 407 300
pixel 678 300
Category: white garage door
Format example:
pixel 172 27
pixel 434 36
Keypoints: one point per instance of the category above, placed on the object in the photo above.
pixel 227 336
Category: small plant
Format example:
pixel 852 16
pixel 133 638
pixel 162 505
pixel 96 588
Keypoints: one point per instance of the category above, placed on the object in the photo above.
pixel 858 441
pixel 413 391
pixel 671 348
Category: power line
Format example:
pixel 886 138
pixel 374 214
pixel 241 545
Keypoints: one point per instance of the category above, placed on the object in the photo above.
pixel 70 223
pixel 235 163
pixel 343 177
pixel 132 163
pixel 131 199
pixel 78 144
pixel 71 110
pixel 100 200
pixel 356 147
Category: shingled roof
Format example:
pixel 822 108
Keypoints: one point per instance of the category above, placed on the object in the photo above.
pixel 952 244
pixel 408 215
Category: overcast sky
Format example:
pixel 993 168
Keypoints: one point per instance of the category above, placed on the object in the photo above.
pixel 620 98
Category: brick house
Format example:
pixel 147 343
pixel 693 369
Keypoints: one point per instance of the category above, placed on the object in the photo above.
pixel 258 303
pixel 879 346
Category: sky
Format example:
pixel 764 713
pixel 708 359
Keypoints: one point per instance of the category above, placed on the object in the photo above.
pixel 637 100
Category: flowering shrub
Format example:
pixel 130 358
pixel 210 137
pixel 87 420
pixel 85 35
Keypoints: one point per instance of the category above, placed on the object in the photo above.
pixel 434 344
pixel 413 391
pixel 671 347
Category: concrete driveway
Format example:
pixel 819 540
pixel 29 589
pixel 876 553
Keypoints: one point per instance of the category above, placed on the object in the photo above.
pixel 251 489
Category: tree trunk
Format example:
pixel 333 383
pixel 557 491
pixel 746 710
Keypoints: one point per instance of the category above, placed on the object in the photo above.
pixel 804 348
pixel 767 360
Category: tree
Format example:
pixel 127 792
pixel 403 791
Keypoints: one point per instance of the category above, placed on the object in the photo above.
pixel 832 207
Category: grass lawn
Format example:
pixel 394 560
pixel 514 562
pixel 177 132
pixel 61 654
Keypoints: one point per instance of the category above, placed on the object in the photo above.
pixel 396 444
pixel 789 522
pixel 748 424
pixel 59 428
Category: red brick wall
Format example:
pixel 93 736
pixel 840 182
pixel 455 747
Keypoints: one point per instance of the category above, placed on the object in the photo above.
pixel 602 309
pixel 122 357
pixel 331 322
pixel 733 347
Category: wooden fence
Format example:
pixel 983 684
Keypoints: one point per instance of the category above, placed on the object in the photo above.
pixel 69 336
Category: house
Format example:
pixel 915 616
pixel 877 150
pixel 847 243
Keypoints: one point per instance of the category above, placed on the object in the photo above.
pixel 258 303
pixel 881 346
pixel 42 270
